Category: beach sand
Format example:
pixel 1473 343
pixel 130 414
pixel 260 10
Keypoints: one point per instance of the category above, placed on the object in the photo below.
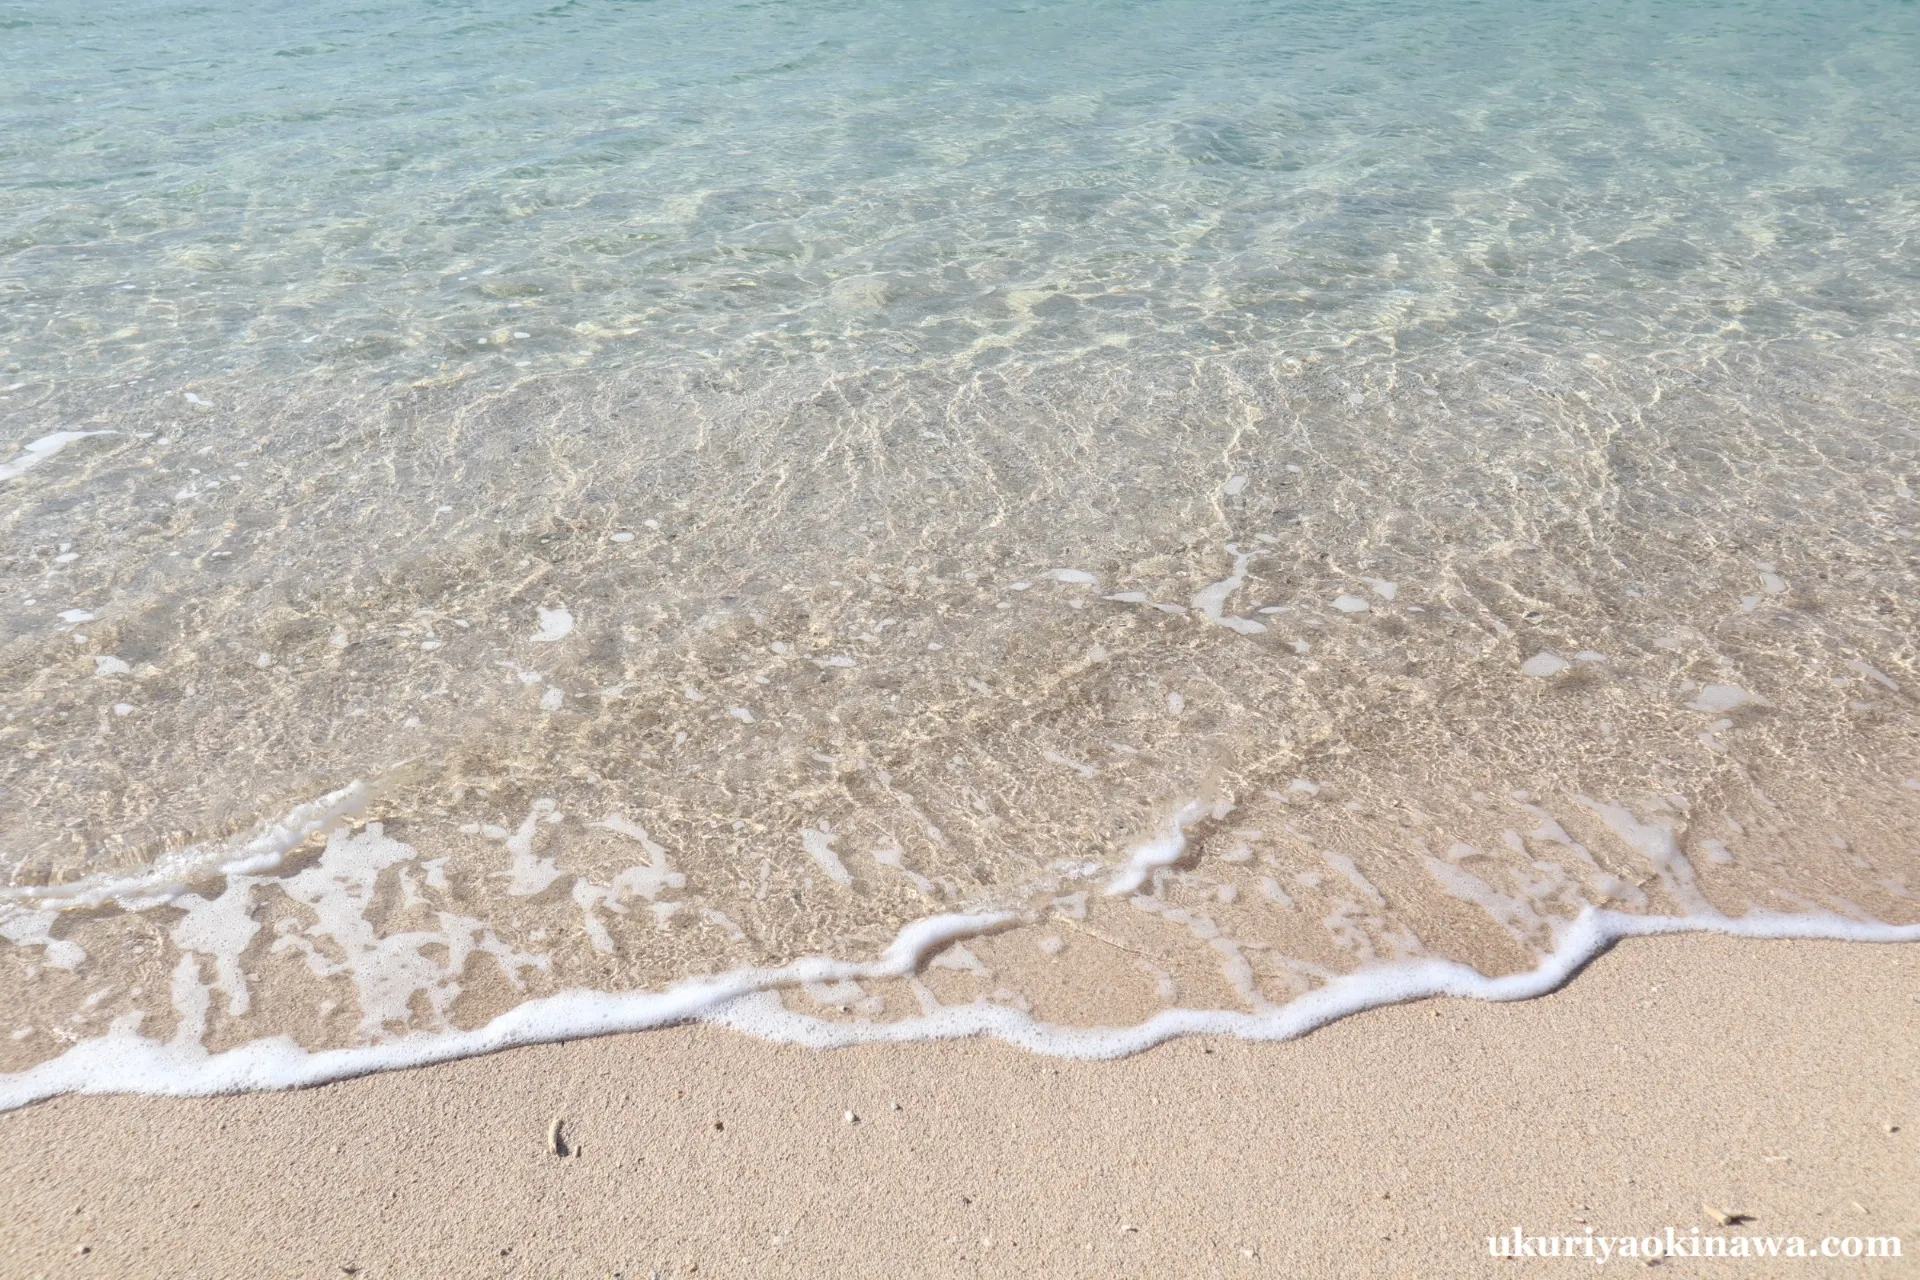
pixel 1674 1077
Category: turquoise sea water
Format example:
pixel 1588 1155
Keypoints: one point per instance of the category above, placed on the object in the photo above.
pixel 684 185
pixel 892 457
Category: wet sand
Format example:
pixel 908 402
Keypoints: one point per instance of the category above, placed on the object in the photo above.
pixel 1673 1078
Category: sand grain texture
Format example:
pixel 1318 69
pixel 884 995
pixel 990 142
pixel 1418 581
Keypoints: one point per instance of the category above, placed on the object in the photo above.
pixel 1674 1077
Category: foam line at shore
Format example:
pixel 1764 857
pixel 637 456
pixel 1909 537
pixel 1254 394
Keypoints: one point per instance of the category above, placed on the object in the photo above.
pixel 123 1061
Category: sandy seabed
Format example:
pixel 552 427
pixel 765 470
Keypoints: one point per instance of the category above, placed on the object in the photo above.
pixel 1675 1079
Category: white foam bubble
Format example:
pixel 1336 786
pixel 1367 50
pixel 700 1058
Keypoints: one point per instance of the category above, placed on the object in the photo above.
pixel 1717 698
pixel 961 959
pixel 555 625
pixel 529 874
pixel 25 928
pixel 819 847
pixel 1211 601
pixel 1542 665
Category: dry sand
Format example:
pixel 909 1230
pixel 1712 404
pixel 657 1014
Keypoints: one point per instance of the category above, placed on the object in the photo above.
pixel 1772 1079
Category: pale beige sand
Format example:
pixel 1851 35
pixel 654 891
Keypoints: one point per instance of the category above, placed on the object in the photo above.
pixel 1780 1080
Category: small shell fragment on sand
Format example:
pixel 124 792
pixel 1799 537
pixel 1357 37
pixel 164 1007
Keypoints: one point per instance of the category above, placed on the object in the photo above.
pixel 556 1140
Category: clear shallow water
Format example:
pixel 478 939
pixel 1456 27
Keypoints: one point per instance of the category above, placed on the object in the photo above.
pixel 733 480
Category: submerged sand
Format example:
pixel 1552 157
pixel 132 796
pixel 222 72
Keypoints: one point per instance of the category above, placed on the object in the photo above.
pixel 1674 1078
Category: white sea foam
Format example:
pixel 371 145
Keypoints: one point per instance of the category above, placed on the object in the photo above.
pixel 1543 665
pixel 555 625
pixel 170 875
pixel 1723 697
pixel 1346 867
pixel 389 972
pixel 529 874
pixel 1211 600
pixel 35 929
pixel 1512 914
pixel 1654 841
pixel 1163 850
pixel 123 1061
pixel 38 451
pixel 819 847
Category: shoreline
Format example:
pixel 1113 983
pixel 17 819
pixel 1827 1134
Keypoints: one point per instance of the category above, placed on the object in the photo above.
pixel 750 1001
pixel 1391 1143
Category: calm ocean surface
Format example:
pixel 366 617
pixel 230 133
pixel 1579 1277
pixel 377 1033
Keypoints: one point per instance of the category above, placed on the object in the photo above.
pixel 715 483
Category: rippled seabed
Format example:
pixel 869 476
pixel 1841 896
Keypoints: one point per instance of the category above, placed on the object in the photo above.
pixel 672 488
